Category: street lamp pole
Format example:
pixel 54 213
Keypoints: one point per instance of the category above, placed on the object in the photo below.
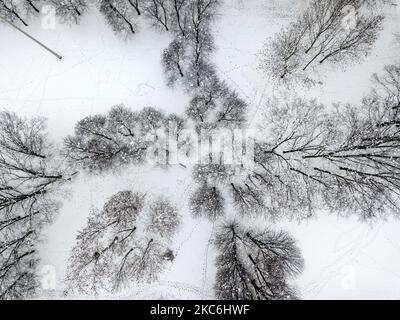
pixel 32 38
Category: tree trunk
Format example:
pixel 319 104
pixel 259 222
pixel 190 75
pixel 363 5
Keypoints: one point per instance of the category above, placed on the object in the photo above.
pixel 123 17
pixel 33 6
pixel 136 7
pixel 19 18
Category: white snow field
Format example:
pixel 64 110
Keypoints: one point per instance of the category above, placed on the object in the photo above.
pixel 345 258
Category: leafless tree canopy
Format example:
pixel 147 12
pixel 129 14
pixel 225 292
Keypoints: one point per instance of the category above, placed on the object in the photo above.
pixel 207 201
pixel 345 160
pixel 126 242
pixel 376 4
pixel 30 174
pixel 18 11
pixel 187 58
pixel 11 10
pixel 336 31
pixel 32 6
pixel 119 138
pixel 120 15
pixel 163 219
pixel 159 13
pixel 69 11
pixel 255 265
pixel 214 105
pixel 173 60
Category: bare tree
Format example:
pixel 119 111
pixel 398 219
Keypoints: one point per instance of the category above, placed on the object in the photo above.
pixel 215 104
pixel 193 23
pixel 69 11
pixel 348 157
pixel 255 265
pixel 32 6
pixel 378 4
pixel 278 176
pixel 30 176
pixel 246 198
pixel 11 11
pixel 96 146
pixel 202 13
pixel 213 172
pixel 179 16
pixel 151 120
pixel 174 60
pixel 158 11
pixel 125 242
pixel 204 100
pixel 123 137
pixel 207 201
pixel 188 56
pixel 387 89
pixel 321 34
pixel 120 15
pixel 345 160
pixel 201 46
pixel 104 142
pixel 176 141
pixel 163 219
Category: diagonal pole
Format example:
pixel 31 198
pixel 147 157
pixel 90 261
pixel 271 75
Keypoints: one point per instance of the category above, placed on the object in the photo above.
pixel 32 38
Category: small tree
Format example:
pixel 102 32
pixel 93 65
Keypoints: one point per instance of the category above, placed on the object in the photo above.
pixel 204 100
pixel 122 137
pixel 158 11
pixel 120 15
pixel 174 60
pixel 69 11
pixel 207 201
pixel 125 242
pixel 201 45
pixel 255 265
pixel 320 34
pixel 189 54
pixel 151 120
pixel 104 142
pixel 163 219
pixel 97 147
pixel 11 11
pixel 215 104
pixel 179 16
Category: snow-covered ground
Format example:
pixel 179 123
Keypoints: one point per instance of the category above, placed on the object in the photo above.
pixel 345 258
